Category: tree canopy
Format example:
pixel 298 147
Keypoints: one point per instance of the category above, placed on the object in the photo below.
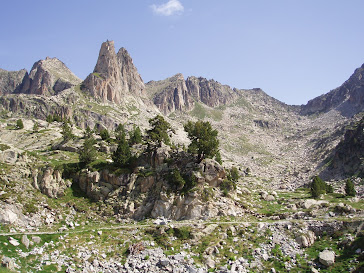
pixel 88 152
pixel 159 131
pixel 122 155
pixel 203 138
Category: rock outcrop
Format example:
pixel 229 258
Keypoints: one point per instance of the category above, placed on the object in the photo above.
pixel 174 95
pixel 144 192
pixel 50 182
pixel 210 92
pixel 177 94
pixel 114 76
pixel 47 77
pixel 348 98
pixel 346 159
pixel 10 80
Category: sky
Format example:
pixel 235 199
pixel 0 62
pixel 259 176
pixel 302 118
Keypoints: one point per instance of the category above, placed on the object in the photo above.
pixel 294 50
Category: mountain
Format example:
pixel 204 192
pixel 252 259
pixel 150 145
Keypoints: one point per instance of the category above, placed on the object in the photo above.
pixel 348 98
pixel 175 93
pixel 47 77
pixel 114 76
pixel 10 80
pixel 252 212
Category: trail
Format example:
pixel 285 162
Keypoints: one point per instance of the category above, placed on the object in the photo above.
pixel 185 223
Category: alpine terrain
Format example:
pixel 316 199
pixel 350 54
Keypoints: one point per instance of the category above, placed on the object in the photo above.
pixel 185 174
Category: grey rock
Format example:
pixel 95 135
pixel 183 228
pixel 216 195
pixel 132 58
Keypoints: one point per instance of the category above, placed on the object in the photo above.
pixel 327 257
pixel 25 241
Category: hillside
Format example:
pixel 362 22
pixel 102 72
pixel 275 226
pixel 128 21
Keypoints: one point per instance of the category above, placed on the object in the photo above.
pixel 141 203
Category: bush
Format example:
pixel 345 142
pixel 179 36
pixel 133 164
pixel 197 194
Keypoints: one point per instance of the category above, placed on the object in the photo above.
pixel 350 188
pixel 135 136
pixel 35 127
pixel 87 153
pixel 19 124
pixel 176 180
pixel 67 132
pixel 104 133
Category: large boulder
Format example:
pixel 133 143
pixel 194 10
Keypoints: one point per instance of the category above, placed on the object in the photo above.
pixel 327 257
pixel 306 239
pixel 212 171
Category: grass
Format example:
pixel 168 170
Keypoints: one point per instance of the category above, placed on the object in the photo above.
pixel 4 147
pixel 202 112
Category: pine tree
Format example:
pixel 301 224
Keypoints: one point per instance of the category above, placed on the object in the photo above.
pixel 350 188
pixel 122 155
pixel 203 138
pixel 87 153
pixel 159 131
pixel 104 133
pixel 67 132
pixel 135 136
pixel 19 124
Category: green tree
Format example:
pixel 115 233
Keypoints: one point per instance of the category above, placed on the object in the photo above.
pixel 88 132
pixel 87 153
pixel 119 131
pixel 122 156
pixel 350 188
pixel 35 127
pixel 159 131
pixel 19 124
pixel 67 132
pixel 176 180
pixel 104 133
pixel 135 136
pixel 234 174
pixel 318 187
pixel 203 138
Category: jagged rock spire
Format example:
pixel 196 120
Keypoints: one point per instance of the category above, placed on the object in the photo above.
pixel 114 75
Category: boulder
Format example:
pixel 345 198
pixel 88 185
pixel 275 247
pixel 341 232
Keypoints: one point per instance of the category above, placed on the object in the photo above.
pixel 212 171
pixel 50 183
pixel 8 263
pixel 306 239
pixel 327 257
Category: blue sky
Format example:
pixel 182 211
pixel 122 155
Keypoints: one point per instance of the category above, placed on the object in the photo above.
pixel 293 50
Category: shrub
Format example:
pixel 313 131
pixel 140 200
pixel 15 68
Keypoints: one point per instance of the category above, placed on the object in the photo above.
pixel 176 180
pixel 104 133
pixel 87 153
pixel 135 136
pixel 350 188
pixel 19 124
pixel 35 127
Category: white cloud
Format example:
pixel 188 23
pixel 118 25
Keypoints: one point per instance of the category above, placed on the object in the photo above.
pixel 170 8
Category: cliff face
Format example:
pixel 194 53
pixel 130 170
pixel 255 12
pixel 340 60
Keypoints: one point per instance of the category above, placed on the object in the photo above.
pixel 348 155
pixel 114 75
pixel 47 77
pixel 348 98
pixel 10 80
pixel 175 93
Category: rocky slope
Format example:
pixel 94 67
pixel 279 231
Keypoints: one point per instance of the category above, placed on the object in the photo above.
pixel 114 76
pixel 47 77
pixel 348 98
pixel 175 93
pixel 10 80
pixel 347 158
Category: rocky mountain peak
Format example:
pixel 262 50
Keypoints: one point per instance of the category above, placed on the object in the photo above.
pixel 48 77
pixel 176 93
pixel 114 75
pixel 348 98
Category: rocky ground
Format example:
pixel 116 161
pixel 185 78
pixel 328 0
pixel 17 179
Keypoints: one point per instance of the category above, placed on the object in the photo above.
pixel 275 230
